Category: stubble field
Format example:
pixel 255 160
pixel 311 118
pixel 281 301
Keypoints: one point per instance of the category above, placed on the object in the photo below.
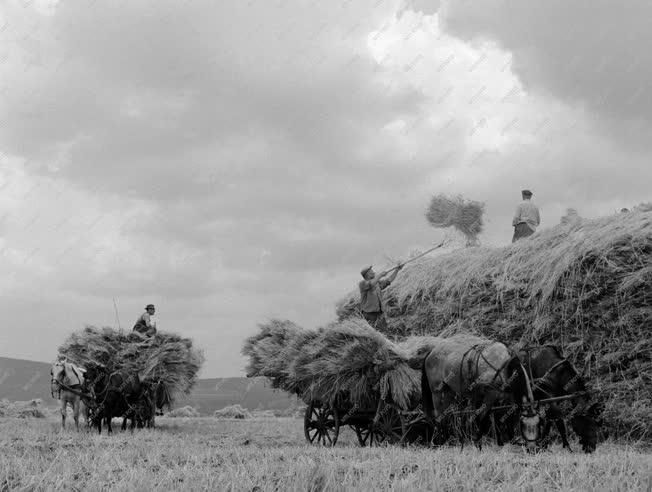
pixel 271 454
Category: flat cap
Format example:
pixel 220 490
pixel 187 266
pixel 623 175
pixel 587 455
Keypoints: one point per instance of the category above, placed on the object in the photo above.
pixel 364 271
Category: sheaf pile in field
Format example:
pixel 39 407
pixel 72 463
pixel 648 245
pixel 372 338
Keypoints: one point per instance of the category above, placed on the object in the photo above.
pixel 343 360
pixel 164 358
pixel 23 409
pixel 585 285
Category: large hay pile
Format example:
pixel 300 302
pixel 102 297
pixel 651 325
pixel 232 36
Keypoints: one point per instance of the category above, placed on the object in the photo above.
pixel 585 286
pixel 164 358
pixel 348 360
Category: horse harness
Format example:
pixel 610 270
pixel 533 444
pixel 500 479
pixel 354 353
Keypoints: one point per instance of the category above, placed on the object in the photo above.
pixel 63 386
pixel 478 350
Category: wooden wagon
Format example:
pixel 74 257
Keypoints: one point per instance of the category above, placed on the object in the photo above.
pixel 378 422
pixel 384 422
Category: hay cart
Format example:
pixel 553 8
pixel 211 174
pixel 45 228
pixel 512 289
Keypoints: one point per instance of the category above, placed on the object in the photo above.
pixel 379 422
pixel 384 423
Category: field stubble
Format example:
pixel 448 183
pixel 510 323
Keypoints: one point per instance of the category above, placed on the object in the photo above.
pixel 271 454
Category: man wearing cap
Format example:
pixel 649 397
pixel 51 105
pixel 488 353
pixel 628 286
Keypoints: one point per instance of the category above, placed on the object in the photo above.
pixel 371 288
pixel 144 323
pixel 526 219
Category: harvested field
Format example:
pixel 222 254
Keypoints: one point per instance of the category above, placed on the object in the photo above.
pixel 271 454
pixel 585 286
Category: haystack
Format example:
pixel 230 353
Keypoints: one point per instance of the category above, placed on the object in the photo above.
pixel 164 358
pixel 347 360
pixel 585 285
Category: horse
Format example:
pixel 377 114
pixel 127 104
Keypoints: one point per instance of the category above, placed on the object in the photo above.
pixel 143 410
pixel 67 381
pixel 466 367
pixel 553 375
pixel 116 395
pixel 162 398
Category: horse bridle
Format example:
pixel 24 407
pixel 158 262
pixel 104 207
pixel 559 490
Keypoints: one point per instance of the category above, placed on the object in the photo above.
pixel 54 382
pixel 542 382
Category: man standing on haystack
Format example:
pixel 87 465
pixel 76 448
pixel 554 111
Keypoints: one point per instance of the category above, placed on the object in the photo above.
pixel 371 303
pixel 526 219
pixel 144 323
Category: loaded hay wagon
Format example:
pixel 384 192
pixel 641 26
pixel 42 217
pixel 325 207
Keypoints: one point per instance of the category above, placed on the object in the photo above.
pixel 130 374
pixel 348 374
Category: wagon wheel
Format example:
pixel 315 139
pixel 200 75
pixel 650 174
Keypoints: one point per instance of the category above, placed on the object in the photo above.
pixel 321 424
pixel 390 428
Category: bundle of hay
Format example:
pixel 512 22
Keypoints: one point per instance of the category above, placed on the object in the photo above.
pixel 23 409
pixel 232 412
pixel 347 360
pixel 463 215
pixel 165 358
pixel 183 412
pixel 585 286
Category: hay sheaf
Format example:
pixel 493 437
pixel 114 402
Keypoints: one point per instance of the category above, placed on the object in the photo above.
pixel 463 215
pixel 584 285
pixel 23 409
pixel 233 412
pixel 183 412
pixel 348 360
pixel 164 358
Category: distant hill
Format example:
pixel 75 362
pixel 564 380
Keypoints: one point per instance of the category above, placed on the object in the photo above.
pixel 22 380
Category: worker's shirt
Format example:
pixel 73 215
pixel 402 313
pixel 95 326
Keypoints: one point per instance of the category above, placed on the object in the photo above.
pixel 144 319
pixel 528 213
pixel 371 297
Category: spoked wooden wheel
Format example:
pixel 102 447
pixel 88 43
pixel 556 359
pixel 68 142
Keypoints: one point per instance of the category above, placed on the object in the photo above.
pixel 389 429
pixel 321 424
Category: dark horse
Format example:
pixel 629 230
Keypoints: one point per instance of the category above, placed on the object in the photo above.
pixel 468 368
pixel 553 375
pixel 154 397
pixel 115 395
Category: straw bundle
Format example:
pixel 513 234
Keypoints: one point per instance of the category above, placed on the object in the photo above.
pixel 463 215
pixel 347 360
pixel 585 286
pixel 164 358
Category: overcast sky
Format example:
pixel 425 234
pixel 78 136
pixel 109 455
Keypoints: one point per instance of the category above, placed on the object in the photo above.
pixel 234 161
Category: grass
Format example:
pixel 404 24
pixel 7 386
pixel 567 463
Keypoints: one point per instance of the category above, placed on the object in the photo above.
pixel 271 454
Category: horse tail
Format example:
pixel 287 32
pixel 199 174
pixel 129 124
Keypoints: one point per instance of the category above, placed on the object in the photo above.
pixel 426 392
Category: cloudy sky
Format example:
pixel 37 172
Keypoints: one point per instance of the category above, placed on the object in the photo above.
pixel 239 160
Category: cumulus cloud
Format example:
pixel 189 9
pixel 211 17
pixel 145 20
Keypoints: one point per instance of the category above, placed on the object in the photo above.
pixel 589 53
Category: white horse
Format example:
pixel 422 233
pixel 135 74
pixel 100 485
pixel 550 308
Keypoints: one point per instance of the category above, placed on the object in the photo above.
pixel 67 382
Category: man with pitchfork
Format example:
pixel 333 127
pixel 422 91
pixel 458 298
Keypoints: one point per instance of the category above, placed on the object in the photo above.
pixel 371 302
